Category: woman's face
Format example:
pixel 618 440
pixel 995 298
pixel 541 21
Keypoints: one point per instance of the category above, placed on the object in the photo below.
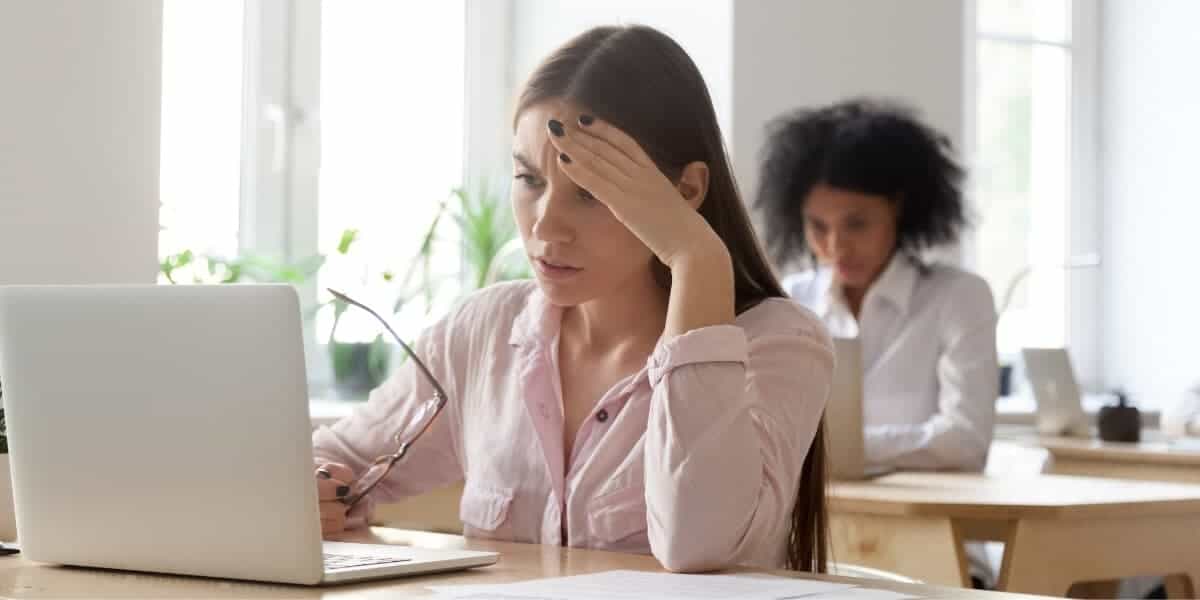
pixel 578 249
pixel 851 232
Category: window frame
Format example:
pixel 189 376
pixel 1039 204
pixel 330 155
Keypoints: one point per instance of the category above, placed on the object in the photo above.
pixel 281 130
pixel 1082 311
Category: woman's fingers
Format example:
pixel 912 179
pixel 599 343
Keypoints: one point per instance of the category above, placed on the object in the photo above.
pixel 609 134
pixel 571 144
pixel 332 490
pixel 335 471
pixel 333 481
pixel 333 518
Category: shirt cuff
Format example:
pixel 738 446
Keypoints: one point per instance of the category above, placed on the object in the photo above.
pixel 718 343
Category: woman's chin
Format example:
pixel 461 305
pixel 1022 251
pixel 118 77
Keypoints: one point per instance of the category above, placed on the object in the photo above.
pixel 563 294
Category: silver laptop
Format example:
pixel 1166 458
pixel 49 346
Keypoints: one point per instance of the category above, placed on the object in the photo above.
pixel 166 429
pixel 844 415
pixel 1059 404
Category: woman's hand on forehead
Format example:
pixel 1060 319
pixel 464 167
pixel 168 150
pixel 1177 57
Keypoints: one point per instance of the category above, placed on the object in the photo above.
pixel 615 169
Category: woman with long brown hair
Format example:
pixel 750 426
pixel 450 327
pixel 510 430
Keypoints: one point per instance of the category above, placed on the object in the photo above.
pixel 652 390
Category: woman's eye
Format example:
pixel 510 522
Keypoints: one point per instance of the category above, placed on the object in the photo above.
pixel 856 225
pixel 527 179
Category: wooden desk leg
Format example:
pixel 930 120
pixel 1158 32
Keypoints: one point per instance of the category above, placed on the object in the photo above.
pixel 1048 556
pixel 1095 589
pixel 1183 586
pixel 926 549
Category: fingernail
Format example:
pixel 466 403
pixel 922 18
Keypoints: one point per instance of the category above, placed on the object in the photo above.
pixel 566 159
pixel 324 474
pixel 342 490
pixel 556 127
pixel 586 120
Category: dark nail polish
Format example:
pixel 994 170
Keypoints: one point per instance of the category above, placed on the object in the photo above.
pixel 556 128
pixel 586 120
pixel 342 491
pixel 566 159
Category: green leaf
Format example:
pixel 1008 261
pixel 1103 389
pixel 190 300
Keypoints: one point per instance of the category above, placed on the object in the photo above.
pixel 348 237
pixel 486 224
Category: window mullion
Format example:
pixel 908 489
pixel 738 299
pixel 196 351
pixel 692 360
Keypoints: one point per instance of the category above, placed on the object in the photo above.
pixel 265 125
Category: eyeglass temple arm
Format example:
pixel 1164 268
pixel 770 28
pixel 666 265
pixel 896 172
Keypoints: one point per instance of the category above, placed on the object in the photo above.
pixel 437 387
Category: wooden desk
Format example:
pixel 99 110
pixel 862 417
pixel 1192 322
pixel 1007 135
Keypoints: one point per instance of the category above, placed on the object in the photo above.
pixel 1057 530
pixel 21 579
pixel 1145 461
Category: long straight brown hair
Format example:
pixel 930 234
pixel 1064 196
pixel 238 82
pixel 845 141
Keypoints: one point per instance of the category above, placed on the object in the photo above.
pixel 641 81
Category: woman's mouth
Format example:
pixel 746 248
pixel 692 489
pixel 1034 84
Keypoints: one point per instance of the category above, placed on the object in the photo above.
pixel 553 270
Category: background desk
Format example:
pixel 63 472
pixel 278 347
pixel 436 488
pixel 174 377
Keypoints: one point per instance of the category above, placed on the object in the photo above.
pixel 1057 530
pixel 1021 409
pixel 1151 460
pixel 21 579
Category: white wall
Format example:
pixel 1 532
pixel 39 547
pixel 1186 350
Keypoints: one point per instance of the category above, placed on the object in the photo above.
pixel 1150 122
pixel 793 53
pixel 761 58
pixel 79 133
pixel 701 27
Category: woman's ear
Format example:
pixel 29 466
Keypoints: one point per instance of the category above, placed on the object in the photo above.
pixel 693 184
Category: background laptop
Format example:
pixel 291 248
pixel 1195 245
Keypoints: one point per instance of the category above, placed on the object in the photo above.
pixel 844 415
pixel 166 429
pixel 1059 404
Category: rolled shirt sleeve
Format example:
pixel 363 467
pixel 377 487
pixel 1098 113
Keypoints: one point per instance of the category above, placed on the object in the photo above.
pixel 732 418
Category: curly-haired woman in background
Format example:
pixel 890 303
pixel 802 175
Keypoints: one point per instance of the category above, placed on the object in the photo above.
pixel 856 192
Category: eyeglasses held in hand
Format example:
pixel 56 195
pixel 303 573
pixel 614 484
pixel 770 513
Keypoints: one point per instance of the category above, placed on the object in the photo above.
pixel 417 423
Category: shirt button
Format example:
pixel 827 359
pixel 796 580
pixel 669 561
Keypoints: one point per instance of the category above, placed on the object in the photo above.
pixel 602 415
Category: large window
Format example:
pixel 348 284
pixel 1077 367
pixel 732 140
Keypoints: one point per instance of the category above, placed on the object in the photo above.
pixel 1030 179
pixel 288 123
pixel 392 92
pixel 201 143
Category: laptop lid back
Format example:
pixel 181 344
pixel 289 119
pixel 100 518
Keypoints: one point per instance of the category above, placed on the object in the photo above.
pixel 161 428
pixel 1059 405
pixel 844 412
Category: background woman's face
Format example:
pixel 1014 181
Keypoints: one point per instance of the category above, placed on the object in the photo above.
pixel 851 232
pixel 578 249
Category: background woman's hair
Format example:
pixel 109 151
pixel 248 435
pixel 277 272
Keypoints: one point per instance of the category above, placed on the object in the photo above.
pixel 868 146
pixel 641 81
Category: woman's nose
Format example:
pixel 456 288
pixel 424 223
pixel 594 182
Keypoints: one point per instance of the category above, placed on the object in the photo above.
pixel 553 223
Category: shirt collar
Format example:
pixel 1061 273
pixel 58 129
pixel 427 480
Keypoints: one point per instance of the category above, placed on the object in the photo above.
pixel 894 285
pixel 538 322
pixel 897 281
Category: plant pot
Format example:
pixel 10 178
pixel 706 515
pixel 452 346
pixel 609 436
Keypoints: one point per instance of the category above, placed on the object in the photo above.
pixel 358 368
pixel 8 519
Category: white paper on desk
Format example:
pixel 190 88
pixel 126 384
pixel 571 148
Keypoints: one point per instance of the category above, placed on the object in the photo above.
pixel 860 593
pixel 622 585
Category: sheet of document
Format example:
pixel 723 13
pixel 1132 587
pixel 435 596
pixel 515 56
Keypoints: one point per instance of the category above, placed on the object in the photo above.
pixel 861 593
pixel 622 585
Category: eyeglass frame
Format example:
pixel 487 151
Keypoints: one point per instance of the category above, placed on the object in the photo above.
pixel 439 395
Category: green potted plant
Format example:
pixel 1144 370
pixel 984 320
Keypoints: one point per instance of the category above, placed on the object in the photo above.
pixel 357 367
pixel 482 224
pixel 490 239
pixel 245 268
pixel 479 220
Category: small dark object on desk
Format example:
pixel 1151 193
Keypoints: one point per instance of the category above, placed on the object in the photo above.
pixel 6 549
pixel 1120 422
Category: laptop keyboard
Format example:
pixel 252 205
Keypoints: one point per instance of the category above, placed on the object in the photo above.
pixel 334 562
